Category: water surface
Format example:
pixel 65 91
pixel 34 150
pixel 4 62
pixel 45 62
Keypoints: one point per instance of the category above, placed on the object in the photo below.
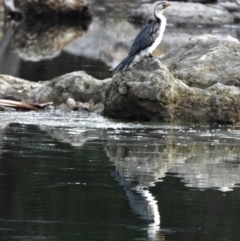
pixel 79 177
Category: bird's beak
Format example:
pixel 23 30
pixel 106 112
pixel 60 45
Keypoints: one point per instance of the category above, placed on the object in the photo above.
pixel 167 5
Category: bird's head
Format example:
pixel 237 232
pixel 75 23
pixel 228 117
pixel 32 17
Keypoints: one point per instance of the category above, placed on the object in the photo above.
pixel 160 7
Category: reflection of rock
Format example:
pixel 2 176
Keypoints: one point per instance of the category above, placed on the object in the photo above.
pixel 45 39
pixel 148 91
pixel 201 173
pixel 138 163
pixel 1 137
pixel 77 138
pixel 49 42
pixel 208 160
pixel 202 158
pixel 5 121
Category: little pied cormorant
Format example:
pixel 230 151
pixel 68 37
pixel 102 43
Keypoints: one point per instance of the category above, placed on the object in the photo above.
pixel 148 39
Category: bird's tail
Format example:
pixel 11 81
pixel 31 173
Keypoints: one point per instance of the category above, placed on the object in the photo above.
pixel 124 64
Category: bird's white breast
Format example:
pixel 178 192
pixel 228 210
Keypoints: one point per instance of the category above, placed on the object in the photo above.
pixel 158 40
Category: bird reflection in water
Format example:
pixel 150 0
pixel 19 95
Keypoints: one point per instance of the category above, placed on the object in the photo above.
pixel 144 204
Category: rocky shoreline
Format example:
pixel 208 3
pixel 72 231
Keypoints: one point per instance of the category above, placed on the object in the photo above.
pixel 76 90
pixel 199 82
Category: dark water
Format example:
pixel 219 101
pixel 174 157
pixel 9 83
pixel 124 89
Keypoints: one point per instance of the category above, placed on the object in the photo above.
pixel 88 178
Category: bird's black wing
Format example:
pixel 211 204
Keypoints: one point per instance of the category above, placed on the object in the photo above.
pixel 145 38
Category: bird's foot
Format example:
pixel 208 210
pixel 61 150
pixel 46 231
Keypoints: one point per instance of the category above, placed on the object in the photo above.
pixel 148 56
pixel 151 56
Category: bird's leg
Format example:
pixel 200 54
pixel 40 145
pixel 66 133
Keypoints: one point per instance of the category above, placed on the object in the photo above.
pixel 151 56
pixel 148 56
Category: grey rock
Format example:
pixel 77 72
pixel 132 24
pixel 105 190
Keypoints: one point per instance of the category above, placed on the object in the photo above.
pixel 149 89
pixel 232 7
pixel 98 108
pixel 181 13
pixel 77 85
pixel 86 106
pixel 206 60
pixel 198 86
pixel 14 88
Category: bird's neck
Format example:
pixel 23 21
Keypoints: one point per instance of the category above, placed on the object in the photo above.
pixel 160 18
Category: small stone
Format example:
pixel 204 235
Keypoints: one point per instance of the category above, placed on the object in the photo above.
pixel 62 106
pixel 98 108
pixel 79 104
pixel 86 106
pixel 71 103
pixel 2 108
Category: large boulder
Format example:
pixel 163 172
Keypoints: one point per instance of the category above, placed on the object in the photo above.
pixel 186 14
pixel 142 93
pixel 203 85
pixel 233 7
pixel 77 85
pixel 206 60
